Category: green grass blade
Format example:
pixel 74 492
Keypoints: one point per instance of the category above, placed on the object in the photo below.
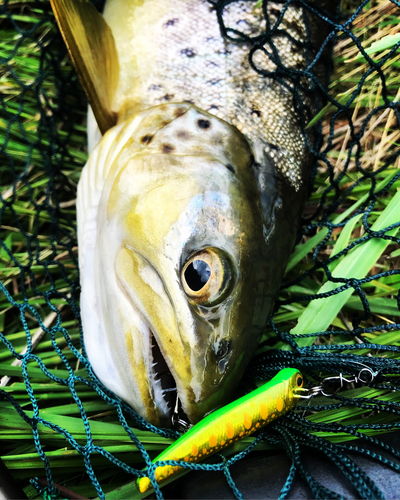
pixel 387 42
pixel 300 251
pixel 320 313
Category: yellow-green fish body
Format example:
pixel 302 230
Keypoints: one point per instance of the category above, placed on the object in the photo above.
pixel 188 205
pixel 231 423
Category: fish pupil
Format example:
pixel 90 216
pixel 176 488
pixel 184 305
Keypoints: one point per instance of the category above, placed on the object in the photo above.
pixel 197 274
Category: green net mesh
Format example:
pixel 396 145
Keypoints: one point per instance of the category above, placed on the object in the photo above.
pixel 58 424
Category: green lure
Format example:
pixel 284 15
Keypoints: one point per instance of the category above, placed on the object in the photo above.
pixel 231 423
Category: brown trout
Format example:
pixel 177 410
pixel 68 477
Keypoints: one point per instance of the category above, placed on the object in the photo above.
pixel 188 206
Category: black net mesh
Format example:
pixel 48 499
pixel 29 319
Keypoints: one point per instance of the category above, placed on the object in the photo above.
pixel 58 424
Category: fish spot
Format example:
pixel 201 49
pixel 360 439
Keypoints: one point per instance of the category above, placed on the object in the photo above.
pixel 229 167
pixel 256 113
pixel 212 440
pixel 186 459
pixel 179 112
pixel 146 139
pixel 230 432
pixel 188 52
pixel 274 147
pixel 203 124
pixel 241 434
pixel 293 25
pixel 215 322
pixel 224 52
pixel 167 97
pixel 155 87
pixel 257 424
pixel 279 403
pixel 195 450
pixel 273 415
pixel 222 443
pixel 204 451
pixel 264 411
pixel 171 22
pixel 182 134
pixel 247 420
pixel 214 81
pixel 167 148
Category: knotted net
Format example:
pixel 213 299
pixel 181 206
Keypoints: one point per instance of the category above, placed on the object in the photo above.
pixel 337 312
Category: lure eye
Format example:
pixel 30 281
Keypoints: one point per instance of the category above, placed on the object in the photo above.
pixel 207 277
pixel 299 381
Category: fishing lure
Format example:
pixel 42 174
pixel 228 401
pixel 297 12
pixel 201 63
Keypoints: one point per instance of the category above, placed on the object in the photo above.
pixel 231 423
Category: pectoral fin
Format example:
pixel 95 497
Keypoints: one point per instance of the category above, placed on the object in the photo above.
pixel 91 45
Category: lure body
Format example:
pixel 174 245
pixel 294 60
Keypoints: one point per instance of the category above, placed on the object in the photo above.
pixel 230 424
pixel 188 207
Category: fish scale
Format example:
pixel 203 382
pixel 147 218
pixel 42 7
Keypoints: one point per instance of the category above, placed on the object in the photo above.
pixel 179 50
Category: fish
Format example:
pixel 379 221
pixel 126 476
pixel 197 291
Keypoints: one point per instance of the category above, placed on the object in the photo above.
pixel 230 424
pixel 190 201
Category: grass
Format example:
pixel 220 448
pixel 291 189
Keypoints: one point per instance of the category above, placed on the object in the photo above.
pixel 42 124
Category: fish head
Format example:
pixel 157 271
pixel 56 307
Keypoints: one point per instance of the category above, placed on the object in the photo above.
pixel 182 271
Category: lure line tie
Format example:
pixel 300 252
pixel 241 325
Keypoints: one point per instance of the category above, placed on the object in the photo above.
pixel 331 385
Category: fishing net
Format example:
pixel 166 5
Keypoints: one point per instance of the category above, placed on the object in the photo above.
pixel 338 308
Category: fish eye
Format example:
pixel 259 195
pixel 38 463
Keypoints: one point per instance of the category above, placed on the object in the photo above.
pixel 207 276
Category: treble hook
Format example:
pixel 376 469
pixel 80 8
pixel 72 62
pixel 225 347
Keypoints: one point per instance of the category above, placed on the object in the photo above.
pixel 177 422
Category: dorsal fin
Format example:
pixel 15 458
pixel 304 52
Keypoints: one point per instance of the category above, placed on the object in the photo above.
pixel 91 45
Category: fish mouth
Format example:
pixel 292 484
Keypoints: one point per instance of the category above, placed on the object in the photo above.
pixel 165 390
pixel 164 385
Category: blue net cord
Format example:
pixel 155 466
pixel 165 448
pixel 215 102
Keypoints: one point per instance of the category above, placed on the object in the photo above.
pixel 39 274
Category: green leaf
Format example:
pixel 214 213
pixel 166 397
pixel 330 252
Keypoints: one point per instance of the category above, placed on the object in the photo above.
pixel 320 313
pixel 386 42
pixel 343 240
pixel 300 251
pixel 8 242
pixel 396 253
pixel 378 305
